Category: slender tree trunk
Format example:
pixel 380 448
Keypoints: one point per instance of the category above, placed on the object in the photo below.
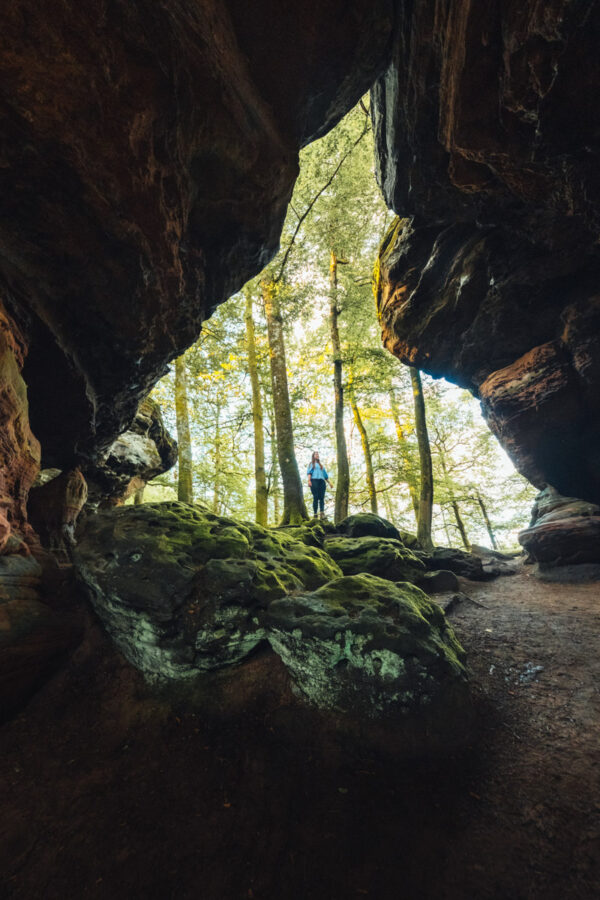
pixel 274 469
pixel 216 490
pixel 138 497
pixel 426 492
pixel 364 439
pixel 387 505
pixel 294 508
pixel 461 525
pixel 486 519
pixel 184 441
pixel 453 501
pixel 262 497
pixel 404 452
pixel 342 487
pixel 447 532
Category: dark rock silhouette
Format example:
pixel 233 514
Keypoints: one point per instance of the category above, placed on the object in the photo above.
pixel 487 144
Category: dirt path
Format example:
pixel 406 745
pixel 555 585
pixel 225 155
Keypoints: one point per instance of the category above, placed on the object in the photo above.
pixel 106 793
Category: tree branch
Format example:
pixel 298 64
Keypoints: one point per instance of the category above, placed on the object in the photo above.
pixel 314 200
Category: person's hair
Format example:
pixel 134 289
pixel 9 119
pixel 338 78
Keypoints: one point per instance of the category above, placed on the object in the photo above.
pixel 313 460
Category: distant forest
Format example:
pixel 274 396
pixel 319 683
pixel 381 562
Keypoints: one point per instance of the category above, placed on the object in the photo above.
pixel 294 363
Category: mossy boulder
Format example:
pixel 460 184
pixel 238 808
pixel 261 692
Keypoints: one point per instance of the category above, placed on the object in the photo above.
pixel 311 532
pixel 438 581
pixel 362 645
pixel 367 524
pixel 410 540
pixel 384 557
pixel 182 590
pixel 458 561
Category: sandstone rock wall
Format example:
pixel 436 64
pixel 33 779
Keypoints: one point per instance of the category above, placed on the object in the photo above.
pixel 487 134
pixel 148 154
pixel 19 450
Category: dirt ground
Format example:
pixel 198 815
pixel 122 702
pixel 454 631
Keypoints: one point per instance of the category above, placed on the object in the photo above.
pixel 107 792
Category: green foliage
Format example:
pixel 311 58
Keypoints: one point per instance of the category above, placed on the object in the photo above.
pixel 337 206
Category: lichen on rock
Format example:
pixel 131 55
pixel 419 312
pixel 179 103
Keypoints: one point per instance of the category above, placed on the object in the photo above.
pixel 361 644
pixel 181 589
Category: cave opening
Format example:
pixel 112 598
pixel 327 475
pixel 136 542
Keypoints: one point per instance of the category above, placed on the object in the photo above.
pixel 205 690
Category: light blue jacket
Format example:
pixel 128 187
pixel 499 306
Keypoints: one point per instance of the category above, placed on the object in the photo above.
pixel 317 471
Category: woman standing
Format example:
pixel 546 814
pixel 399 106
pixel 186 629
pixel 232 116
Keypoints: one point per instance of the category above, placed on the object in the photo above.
pixel 317 479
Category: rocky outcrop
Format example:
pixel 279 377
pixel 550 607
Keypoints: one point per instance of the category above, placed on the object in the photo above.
pixel 148 155
pixel 54 508
pixel 19 450
pixel 485 130
pixel 458 561
pixel 141 453
pixel 367 525
pixel 563 531
pixel 368 647
pixel 381 556
pixel 184 592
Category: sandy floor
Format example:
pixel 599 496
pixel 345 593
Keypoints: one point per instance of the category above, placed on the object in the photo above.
pixel 107 793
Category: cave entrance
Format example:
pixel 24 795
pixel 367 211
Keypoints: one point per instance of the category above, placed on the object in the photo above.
pixel 309 319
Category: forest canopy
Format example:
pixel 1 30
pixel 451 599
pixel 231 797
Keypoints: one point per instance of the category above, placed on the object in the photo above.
pixel 309 320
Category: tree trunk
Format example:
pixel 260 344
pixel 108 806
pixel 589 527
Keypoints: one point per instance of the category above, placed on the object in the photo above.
pixel 461 525
pixel 426 492
pixel 274 486
pixel 412 489
pixel 138 497
pixel 486 519
pixel 364 439
pixel 447 532
pixel 342 487
pixel 216 490
pixel 453 502
pixel 294 508
pixel 388 506
pixel 184 441
pixel 262 497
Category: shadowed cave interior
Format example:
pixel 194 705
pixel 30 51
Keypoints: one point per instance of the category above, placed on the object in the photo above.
pixel 197 706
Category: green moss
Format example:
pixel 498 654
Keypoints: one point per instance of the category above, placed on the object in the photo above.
pixel 183 589
pixel 384 557
pixel 364 642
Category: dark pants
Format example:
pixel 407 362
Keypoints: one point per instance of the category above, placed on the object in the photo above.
pixel 318 491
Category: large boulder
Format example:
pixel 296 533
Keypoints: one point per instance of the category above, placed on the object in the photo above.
pixel 186 594
pixel 363 645
pixel 458 561
pixel 564 531
pixel 141 453
pixel 367 524
pixel 488 149
pixel 182 590
pixel 381 556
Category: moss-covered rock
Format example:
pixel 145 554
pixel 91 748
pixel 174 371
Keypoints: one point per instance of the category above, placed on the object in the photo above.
pixel 410 540
pixel 361 644
pixel 311 532
pixel 182 590
pixel 384 557
pixel 367 524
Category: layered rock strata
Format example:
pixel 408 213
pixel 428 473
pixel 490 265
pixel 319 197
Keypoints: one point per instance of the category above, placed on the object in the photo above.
pixel 564 531
pixel 19 449
pixel 486 132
